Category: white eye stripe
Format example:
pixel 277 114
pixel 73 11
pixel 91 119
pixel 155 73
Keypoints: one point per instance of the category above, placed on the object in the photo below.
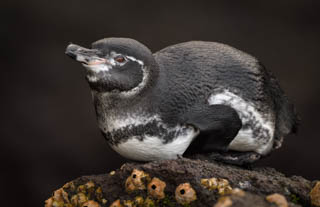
pixel 114 54
pixel 135 60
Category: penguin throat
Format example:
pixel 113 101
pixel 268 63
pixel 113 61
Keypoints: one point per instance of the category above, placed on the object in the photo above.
pixel 119 90
pixel 136 90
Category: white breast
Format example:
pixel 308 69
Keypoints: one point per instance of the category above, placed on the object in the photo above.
pixel 154 148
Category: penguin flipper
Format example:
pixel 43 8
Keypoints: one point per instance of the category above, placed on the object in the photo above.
pixel 218 125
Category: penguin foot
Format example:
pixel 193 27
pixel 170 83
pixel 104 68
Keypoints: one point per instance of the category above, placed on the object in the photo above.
pixel 235 158
pixel 232 157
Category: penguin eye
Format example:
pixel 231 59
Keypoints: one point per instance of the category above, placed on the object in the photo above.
pixel 120 59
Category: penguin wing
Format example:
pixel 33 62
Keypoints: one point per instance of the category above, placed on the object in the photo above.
pixel 218 125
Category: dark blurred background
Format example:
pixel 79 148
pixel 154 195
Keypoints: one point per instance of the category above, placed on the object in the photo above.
pixel 49 133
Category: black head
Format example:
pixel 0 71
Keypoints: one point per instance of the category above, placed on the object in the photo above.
pixel 114 64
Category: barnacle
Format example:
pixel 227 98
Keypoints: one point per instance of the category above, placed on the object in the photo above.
pixel 59 198
pixel 84 195
pixel 116 204
pixel 136 181
pixel 79 199
pixel 278 199
pixel 48 202
pixel 315 194
pixel 185 194
pixel 61 195
pixel 224 201
pixel 156 188
pixel 91 204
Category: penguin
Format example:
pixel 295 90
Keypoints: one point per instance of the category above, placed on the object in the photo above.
pixel 190 98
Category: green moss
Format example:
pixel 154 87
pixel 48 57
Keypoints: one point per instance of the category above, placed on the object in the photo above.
pixel 167 201
pixel 294 198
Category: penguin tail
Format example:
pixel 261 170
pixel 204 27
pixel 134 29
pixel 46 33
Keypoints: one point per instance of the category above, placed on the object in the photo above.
pixel 287 119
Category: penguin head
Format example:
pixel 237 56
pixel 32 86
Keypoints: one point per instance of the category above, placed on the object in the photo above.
pixel 114 64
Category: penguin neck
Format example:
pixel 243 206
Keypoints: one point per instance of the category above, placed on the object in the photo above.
pixel 128 99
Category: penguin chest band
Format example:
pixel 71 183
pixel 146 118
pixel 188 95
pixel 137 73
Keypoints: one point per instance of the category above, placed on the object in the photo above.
pixel 158 146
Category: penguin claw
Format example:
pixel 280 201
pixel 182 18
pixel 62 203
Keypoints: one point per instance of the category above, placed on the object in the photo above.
pixel 179 156
pixel 244 159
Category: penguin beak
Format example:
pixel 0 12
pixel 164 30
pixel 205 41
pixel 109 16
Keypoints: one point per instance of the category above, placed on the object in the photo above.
pixel 88 57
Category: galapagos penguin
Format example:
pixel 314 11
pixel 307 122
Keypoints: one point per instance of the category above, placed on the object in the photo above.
pixel 190 98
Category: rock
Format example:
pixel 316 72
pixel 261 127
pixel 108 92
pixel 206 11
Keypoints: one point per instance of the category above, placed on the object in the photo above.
pixel 208 184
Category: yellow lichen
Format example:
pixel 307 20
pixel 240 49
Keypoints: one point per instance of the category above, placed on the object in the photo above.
pixel 128 203
pixel 224 201
pixel 57 204
pixel 81 188
pixel 185 194
pixel 156 188
pixel 74 200
pixel 90 204
pixel 211 183
pixel 315 194
pixel 278 199
pixel 99 194
pixel 116 204
pixel 82 198
pixel 225 190
pixel 89 184
pixel 136 181
pixel 220 184
pixel 139 200
pixel 148 202
pixel 104 201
